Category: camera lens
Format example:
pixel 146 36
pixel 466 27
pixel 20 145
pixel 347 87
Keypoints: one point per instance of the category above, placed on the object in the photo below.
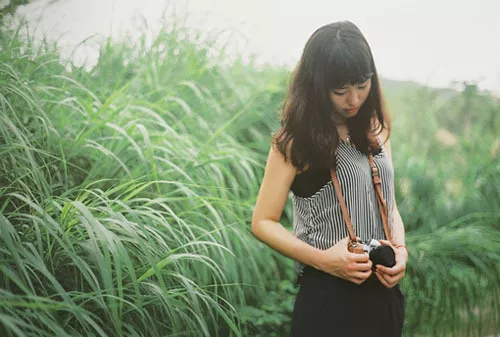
pixel 383 255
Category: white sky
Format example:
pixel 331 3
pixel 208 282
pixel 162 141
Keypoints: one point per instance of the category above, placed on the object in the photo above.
pixel 429 41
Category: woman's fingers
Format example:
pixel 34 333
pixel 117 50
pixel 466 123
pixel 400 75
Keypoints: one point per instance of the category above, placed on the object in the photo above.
pixel 362 274
pixel 382 280
pixel 358 276
pixel 359 257
pixel 360 261
pixel 361 266
pixel 397 269
pixel 388 280
pixel 359 280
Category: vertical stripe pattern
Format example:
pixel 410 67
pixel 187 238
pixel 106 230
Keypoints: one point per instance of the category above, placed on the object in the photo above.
pixel 318 220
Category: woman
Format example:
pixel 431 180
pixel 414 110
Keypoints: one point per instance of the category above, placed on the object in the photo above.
pixel 334 117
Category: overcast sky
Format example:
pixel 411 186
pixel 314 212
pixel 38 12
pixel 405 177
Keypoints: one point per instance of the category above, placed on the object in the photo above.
pixel 429 41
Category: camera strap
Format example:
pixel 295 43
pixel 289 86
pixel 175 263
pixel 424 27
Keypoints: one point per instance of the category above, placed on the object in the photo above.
pixel 382 204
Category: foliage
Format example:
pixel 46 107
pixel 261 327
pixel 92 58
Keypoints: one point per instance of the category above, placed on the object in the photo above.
pixel 273 315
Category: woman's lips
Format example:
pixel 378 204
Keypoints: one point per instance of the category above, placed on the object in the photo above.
pixel 352 110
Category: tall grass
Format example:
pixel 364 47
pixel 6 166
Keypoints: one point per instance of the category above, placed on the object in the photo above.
pixel 126 193
pixel 447 174
pixel 125 200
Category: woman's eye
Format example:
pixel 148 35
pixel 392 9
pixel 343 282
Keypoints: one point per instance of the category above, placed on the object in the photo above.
pixel 339 93
pixel 362 87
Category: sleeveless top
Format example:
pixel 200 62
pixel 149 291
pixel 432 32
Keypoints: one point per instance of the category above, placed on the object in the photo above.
pixel 317 216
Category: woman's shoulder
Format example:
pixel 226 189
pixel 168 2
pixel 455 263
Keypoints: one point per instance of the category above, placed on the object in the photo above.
pixel 280 160
pixel 284 146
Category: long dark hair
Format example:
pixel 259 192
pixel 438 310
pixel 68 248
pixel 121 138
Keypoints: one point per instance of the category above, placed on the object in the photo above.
pixel 335 55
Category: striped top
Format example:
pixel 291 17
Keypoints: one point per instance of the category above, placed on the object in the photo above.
pixel 318 219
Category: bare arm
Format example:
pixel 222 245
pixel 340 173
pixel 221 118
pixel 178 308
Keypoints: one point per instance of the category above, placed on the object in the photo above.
pixel 273 194
pixel 389 277
pixel 398 232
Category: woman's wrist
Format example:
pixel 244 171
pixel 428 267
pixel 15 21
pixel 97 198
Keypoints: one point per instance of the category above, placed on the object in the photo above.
pixel 319 260
pixel 402 248
pixel 400 245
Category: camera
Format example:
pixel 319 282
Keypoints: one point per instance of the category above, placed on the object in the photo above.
pixel 379 253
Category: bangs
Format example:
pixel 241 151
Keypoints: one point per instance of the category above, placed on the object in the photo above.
pixel 348 65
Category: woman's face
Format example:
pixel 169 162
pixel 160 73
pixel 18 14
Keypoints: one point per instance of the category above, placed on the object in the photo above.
pixel 349 98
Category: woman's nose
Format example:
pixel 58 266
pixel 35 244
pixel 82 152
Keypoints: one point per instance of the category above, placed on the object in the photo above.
pixel 352 98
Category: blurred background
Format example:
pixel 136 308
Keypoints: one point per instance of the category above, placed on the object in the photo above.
pixel 133 139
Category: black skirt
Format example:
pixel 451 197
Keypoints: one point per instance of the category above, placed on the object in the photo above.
pixel 328 306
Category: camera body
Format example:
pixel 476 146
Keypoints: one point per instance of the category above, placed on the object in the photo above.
pixel 379 253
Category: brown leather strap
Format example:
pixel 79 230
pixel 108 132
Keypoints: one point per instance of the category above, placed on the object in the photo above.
pixel 382 204
pixel 343 207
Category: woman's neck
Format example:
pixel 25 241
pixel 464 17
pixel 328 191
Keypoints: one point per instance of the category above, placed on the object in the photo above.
pixel 343 131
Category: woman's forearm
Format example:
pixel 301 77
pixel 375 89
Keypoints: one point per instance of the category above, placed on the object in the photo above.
pixel 398 231
pixel 280 239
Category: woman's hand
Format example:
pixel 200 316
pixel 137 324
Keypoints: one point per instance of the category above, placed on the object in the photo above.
pixel 389 277
pixel 338 261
